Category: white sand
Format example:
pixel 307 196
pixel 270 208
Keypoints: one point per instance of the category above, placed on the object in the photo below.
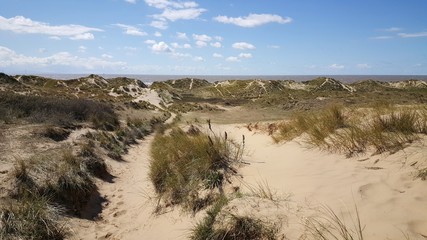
pixel 390 200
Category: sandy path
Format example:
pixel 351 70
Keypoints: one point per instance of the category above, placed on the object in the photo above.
pixel 128 212
pixel 391 202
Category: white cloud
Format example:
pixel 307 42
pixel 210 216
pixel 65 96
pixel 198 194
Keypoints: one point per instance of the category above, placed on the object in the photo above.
pixel 217 55
pixel 20 24
pixel 9 57
pixel 216 44
pixel 382 37
pixel 202 37
pixel 336 66
pixel 245 55
pixel 161 4
pixel 42 50
pixel 131 1
pixel 106 56
pixel 198 59
pixel 181 35
pixel 219 38
pixel 232 59
pixel 253 20
pixel 131 30
pixel 243 45
pixel 412 35
pixel 393 29
pixel 82 49
pixel 150 42
pixel 273 46
pixel 180 14
pixel 201 44
pixel 55 38
pixel 161 47
pixel 173 11
pixel 84 36
pixel 131 49
pixel 158 34
pixel 363 66
pixel 159 24
pixel 180 55
pixel 177 45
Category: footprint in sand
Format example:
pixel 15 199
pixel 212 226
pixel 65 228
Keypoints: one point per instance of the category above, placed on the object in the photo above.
pixel 119 213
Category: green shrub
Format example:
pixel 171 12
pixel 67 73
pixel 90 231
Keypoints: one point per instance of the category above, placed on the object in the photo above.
pixel 182 165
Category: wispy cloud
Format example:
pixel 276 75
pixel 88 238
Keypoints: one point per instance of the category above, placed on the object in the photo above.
pixel 336 66
pixel 174 11
pixel 216 44
pixel 393 29
pixel 243 45
pixel 363 66
pixel 381 37
pixel 181 35
pixel 412 35
pixel 8 57
pixel 253 20
pixel 131 1
pixel 217 55
pixel 20 24
pixel 232 59
pixel 245 55
pixel 202 37
pixel 159 24
pixel 131 30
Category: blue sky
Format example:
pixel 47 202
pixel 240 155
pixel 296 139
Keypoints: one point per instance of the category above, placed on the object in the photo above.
pixel 205 37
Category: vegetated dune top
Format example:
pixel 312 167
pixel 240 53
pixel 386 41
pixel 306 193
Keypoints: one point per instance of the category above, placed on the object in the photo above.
pixel 95 85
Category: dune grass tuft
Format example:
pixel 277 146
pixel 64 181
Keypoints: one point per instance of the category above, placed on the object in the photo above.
pixel 236 227
pixel 331 226
pixel 383 130
pixel 31 218
pixel 184 165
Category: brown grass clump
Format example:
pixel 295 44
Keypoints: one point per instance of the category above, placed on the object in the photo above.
pixel 186 168
pixel 383 130
pixel 31 218
pixel 62 112
pixel 62 177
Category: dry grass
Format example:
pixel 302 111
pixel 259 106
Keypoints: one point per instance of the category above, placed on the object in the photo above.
pixel 31 219
pixel 62 112
pixel 64 178
pixel 184 165
pixel 331 226
pixel 385 129
pixel 236 228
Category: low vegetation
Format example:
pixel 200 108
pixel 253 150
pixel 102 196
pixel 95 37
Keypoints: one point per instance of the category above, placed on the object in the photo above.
pixel 342 130
pixel 187 168
pixel 235 227
pixel 329 225
pixel 31 219
pixel 61 112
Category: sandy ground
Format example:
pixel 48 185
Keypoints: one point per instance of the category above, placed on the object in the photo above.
pixel 128 212
pixel 390 201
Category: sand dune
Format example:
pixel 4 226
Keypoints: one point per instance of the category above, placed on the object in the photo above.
pixel 390 201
